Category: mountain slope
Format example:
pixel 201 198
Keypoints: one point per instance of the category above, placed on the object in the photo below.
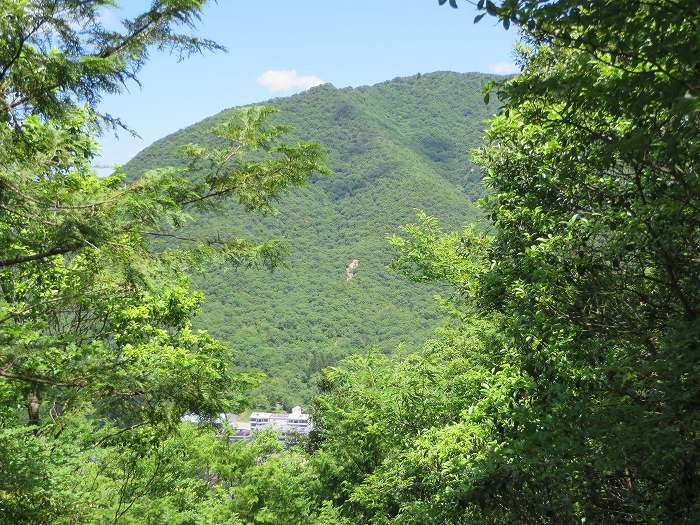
pixel 394 147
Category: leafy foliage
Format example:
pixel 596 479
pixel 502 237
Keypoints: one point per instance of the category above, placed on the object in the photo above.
pixel 97 349
pixel 562 388
pixel 582 407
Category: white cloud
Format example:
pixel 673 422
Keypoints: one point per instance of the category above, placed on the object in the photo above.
pixel 504 68
pixel 281 80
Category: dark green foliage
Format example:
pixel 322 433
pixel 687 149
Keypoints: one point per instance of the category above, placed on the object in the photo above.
pixel 584 406
pixel 393 148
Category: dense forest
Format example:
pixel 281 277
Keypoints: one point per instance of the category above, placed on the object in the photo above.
pixel 561 384
pixel 393 148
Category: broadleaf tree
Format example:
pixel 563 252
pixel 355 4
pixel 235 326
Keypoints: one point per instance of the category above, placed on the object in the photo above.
pixel 590 274
pixel 565 384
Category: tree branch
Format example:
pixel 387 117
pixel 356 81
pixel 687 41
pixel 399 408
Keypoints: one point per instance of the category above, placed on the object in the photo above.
pixel 38 380
pixel 58 250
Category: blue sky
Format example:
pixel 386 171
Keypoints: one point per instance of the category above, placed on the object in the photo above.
pixel 278 47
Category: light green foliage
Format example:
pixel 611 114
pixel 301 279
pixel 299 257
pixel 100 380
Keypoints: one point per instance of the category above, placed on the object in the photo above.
pixel 87 295
pixel 373 409
pixel 95 311
pixel 194 477
pixel 98 357
pixel 200 479
pixel 394 147
pixel 425 253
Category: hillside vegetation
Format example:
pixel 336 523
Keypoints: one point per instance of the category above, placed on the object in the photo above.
pixel 562 386
pixel 394 148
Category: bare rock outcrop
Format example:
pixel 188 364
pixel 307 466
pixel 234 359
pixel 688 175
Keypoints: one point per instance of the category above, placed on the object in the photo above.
pixel 350 270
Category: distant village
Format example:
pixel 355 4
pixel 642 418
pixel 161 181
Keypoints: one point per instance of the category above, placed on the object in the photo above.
pixel 288 425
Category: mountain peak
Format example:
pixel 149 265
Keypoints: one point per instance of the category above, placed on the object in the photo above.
pixel 394 147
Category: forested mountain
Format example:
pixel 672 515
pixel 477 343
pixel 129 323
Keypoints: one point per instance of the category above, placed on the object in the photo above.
pixel 394 148
pixel 562 386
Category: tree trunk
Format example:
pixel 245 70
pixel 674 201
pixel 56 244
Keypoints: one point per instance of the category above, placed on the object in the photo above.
pixel 33 408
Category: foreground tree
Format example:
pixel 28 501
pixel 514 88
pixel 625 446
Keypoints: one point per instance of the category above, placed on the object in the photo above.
pixel 584 406
pixel 96 344
pixel 590 410
pixel 594 171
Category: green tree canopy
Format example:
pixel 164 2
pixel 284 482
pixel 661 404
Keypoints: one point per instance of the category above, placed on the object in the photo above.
pixel 96 344
pixel 588 411
pixel 574 338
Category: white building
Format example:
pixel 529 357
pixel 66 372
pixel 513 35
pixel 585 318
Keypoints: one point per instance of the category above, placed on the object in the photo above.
pixel 296 422
pixel 286 424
